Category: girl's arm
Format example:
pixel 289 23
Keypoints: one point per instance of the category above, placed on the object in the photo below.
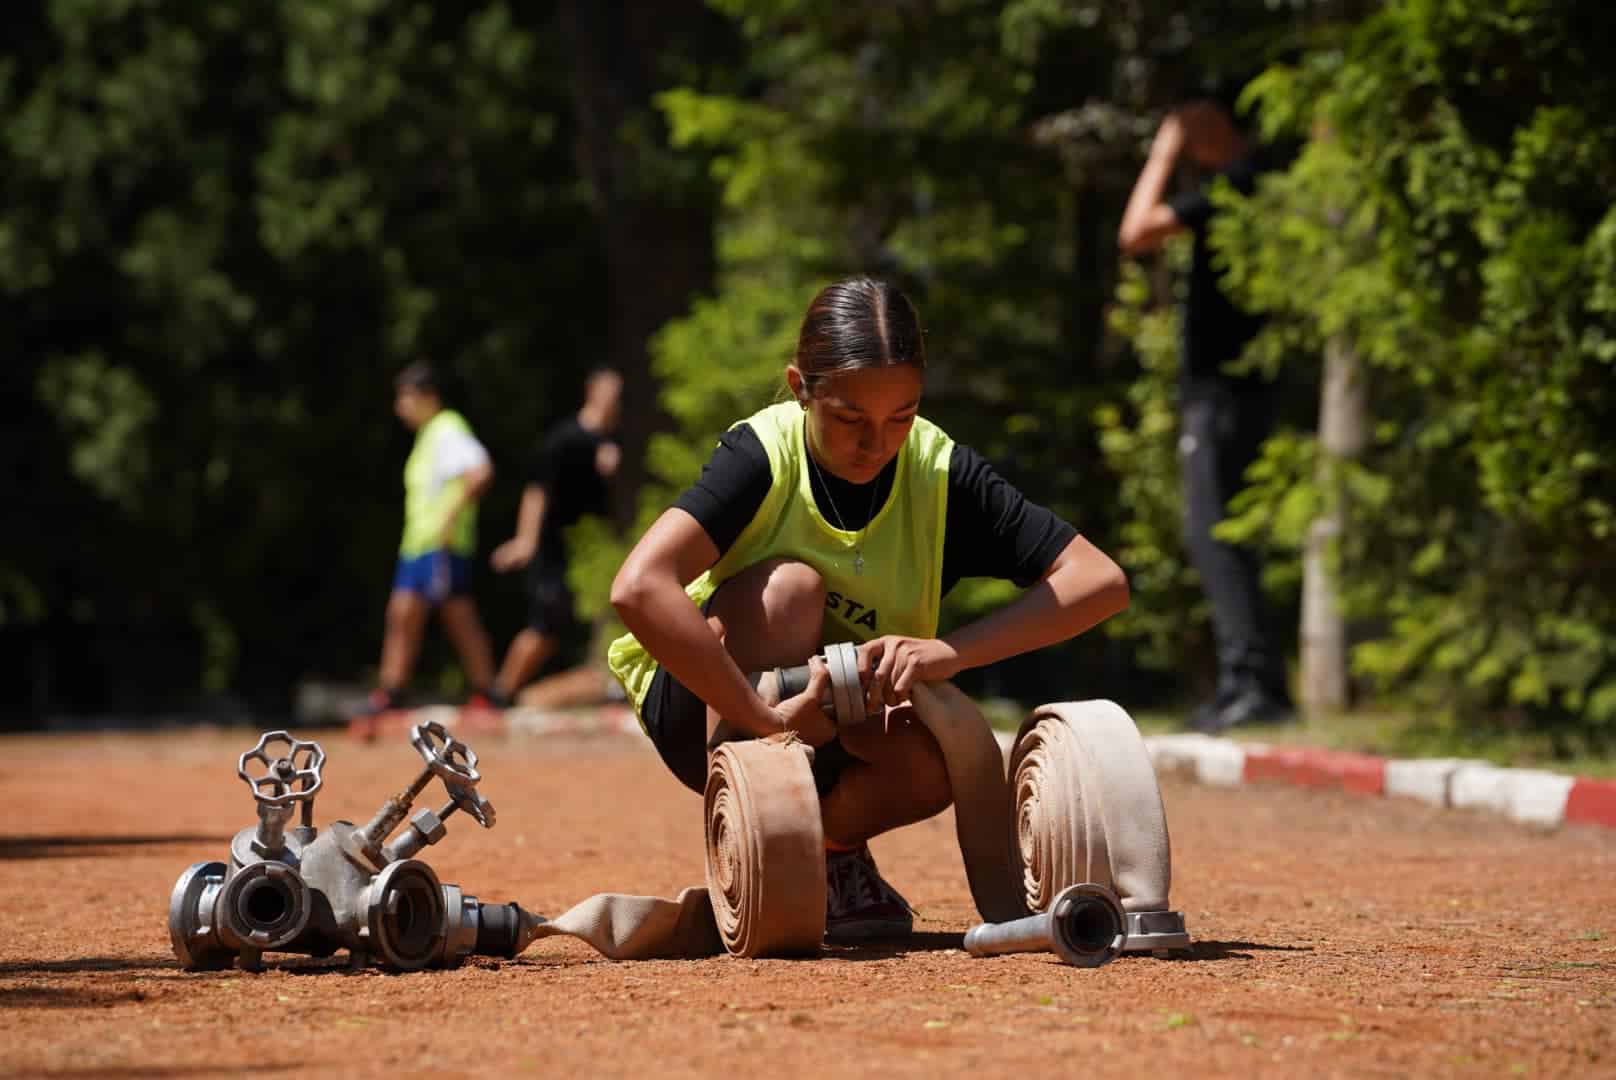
pixel 1082 588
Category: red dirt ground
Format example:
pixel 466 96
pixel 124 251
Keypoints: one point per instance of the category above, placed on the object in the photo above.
pixel 1335 936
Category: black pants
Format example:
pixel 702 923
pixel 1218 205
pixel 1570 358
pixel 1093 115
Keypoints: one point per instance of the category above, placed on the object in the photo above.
pixel 676 720
pixel 1223 425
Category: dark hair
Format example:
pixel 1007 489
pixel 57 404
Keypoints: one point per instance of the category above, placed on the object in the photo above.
pixel 418 376
pixel 858 323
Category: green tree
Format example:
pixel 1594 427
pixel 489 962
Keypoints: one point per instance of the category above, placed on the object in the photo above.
pixel 223 227
pixel 979 154
pixel 1456 225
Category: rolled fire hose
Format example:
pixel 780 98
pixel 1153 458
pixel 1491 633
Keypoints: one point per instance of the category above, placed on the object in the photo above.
pixel 1087 809
pixel 765 848
pixel 765 893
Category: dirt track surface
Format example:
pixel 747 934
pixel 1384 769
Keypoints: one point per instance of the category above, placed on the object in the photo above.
pixel 1335 936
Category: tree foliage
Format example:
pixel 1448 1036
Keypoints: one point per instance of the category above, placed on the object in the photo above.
pixel 1452 218
pixel 979 154
pixel 223 228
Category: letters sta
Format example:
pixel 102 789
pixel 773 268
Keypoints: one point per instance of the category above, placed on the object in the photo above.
pixel 851 609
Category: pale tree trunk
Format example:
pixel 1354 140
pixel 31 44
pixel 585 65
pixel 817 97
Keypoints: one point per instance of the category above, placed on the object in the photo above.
pixel 1343 432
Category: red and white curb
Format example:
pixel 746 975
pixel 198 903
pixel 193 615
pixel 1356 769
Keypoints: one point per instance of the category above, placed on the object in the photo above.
pixel 1528 796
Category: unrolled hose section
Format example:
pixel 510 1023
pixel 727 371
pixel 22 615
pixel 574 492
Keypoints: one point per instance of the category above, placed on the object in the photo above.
pixel 765 848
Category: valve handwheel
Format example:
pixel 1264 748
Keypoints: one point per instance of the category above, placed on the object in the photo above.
pixel 469 801
pixel 451 759
pixel 289 778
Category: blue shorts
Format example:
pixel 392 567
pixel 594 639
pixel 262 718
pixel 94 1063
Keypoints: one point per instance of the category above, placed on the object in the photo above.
pixel 437 575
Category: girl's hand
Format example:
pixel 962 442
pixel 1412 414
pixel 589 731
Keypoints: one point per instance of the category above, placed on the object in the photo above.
pixel 802 713
pixel 890 666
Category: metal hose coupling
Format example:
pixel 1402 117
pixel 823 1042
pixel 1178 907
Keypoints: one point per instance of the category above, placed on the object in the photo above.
pixel 1085 927
pixel 474 928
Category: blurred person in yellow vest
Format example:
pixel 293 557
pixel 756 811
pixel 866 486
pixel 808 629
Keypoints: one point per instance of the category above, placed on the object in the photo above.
pixel 448 470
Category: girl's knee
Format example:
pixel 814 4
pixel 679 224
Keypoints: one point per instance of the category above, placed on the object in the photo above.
pixel 402 612
pixel 770 613
pixel 794 600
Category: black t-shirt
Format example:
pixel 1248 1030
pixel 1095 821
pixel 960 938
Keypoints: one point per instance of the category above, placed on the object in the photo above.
pixel 565 468
pixel 1215 329
pixel 992 529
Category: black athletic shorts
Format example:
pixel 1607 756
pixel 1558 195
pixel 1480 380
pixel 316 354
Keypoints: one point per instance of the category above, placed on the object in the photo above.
pixel 677 722
pixel 550 605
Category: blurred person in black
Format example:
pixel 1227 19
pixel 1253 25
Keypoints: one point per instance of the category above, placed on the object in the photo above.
pixel 568 479
pixel 1224 417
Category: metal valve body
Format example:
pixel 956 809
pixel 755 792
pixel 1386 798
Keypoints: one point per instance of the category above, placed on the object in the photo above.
pixel 301 891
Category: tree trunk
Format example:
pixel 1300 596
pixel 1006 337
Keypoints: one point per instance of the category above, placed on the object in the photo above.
pixel 657 235
pixel 1343 432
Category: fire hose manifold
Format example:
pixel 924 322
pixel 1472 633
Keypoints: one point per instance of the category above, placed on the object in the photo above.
pixel 296 890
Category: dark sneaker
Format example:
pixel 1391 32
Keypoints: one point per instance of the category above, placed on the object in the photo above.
pixel 859 904
pixel 1255 708
pixel 1204 718
pixel 378 702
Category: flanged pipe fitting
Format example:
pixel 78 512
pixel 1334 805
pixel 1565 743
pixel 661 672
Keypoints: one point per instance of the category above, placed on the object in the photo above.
pixel 192 928
pixel 404 916
pixel 261 907
pixel 1085 927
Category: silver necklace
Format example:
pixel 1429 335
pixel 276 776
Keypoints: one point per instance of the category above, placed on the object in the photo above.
pixel 841 522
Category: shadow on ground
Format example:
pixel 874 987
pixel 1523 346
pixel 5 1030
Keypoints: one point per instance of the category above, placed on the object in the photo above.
pixel 137 1072
pixel 58 847
pixel 1229 950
